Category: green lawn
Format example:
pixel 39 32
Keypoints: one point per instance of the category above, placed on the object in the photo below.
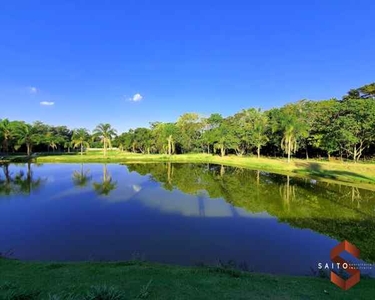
pixel 363 173
pixel 141 280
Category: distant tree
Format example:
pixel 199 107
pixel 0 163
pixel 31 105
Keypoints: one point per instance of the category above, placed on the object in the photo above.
pixel 364 92
pixel 165 136
pixel 208 136
pixel 143 139
pixel 355 126
pixel 64 135
pixel 105 133
pixel 324 134
pixel 52 140
pixel 367 91
pixel 28 135
pixel 352 94
pixel 190 128
pixel 80 139
pixel 292 125
pixel 125 141
pixel 6 132
pixel 254 124
pixel 225 137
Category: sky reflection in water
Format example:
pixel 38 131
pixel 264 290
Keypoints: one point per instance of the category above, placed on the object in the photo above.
pixel 180 213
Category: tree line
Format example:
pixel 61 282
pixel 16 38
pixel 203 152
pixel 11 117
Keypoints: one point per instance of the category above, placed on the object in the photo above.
pixel 342 128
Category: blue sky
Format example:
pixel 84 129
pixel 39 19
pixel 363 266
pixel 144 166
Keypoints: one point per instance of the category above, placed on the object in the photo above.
pixel 89 58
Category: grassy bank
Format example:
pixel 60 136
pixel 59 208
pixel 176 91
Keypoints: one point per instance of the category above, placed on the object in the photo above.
pixel 141 280
pixel 342 171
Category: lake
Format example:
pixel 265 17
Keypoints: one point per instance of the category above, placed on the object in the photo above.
pixel 186 214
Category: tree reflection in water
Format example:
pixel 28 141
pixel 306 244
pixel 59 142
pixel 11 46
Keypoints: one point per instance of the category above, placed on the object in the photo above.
pixel 107 185
pixel 81 178
pixel 21 183
pixel 337 210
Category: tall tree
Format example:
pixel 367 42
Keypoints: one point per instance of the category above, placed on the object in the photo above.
pixel 28 135
pixel 292 126
pixel 254 124
pixel 142 139
pixel 125 141
pixel 211 123
pixel 190 126
pixel 105 133
pixel 80 139
pixel 165 136
pixel 225 137
pixel 355 126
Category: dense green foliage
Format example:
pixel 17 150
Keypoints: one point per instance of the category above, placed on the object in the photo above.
pixel 344 128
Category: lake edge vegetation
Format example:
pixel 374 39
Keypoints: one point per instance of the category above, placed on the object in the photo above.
pixel 360 174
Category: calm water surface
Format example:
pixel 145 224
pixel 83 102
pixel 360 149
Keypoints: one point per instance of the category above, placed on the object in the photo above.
pixel 180 213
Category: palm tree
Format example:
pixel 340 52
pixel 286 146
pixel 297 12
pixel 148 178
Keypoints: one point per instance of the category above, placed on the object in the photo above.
pixel 81 178
pixel 105 133
pixel 51 140
pixel 26 134
pixel 289 141
pixel 107 185
pixel 171 145
pixel 293 127
pixel 6 133
pixel 80 139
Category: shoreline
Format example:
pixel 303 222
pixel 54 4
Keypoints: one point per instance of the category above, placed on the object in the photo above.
pixel 348 173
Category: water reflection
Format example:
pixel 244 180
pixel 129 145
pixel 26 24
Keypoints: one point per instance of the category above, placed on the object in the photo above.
pixel 82 177
pixel 287 192
pixel 19 182
pixel 180 212
pixel 107 185
pixel 339 211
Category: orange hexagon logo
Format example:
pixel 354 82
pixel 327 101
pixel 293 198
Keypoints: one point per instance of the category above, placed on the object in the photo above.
pixel 352 270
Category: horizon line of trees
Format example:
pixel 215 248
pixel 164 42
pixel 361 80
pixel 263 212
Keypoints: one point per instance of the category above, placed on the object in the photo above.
pixel 342 128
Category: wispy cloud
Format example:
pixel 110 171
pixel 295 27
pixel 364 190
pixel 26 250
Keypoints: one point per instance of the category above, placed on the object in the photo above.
pixel 136 98
pixel 47 103
pixel 33 90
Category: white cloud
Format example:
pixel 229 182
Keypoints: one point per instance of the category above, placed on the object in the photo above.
pixel 47 103
pixel 136 98
pixel 33 90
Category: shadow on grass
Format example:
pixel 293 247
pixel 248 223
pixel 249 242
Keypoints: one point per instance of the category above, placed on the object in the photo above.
pixel 315 169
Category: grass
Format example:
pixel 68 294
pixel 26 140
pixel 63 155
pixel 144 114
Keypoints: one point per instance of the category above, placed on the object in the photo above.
pixel 144 280
pixel 348 172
